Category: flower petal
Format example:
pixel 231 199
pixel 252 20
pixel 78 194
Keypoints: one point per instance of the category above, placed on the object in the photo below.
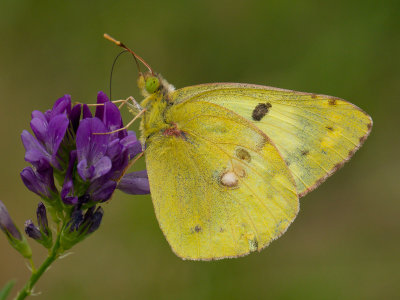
pixel 38 114
pixel 101 98
pixel 135 183
pixel 39 128
pixel 29 179
pixel 131 144
pixel 102 191
pixel 62 105
pixel 74 116
pixel 114 149
pixel 83 170
pixel 37 159
pixel 89 146
pixel 35 152
pixel 101 167
pixel 57 129
pixel 112 117
pixel 41 183
pixel 86 113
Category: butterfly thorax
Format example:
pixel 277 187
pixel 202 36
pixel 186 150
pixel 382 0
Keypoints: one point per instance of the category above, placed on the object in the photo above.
pixel 158 95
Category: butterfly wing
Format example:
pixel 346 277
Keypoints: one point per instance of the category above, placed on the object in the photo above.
pixel 219 186
pixel 316 134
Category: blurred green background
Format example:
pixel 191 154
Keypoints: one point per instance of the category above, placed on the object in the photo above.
pixel 345 241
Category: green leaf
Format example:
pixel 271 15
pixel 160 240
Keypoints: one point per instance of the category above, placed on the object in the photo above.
pixel 6 289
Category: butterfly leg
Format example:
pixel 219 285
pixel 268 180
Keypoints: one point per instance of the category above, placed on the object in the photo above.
pixel 126 126
pixel 130 165
pixel 123 102
pixel 135 107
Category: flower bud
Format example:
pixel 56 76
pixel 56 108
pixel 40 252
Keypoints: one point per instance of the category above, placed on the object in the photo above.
pixel 42 219
pixel 80 226
pixel 13 235
pixel 42 233
pixel 32 231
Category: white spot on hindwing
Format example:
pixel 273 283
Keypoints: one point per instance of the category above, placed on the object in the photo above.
pixel 229 179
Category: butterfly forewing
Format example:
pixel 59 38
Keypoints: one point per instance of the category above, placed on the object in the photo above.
pixel 315 134
pixel 219 186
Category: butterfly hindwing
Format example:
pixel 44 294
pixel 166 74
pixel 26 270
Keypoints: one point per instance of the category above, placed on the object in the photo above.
pixel 315 134
pixel 220 188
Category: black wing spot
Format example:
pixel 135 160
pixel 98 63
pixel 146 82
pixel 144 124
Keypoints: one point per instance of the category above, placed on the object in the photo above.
pixel 330 128
pixel 260 111
pixel 197 228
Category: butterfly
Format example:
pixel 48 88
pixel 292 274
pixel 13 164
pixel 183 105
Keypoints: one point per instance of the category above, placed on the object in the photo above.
pixel 228 162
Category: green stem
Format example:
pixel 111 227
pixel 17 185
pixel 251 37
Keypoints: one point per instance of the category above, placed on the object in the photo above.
pixel 36 274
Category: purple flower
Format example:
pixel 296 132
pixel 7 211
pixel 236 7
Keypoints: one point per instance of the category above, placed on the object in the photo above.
pixel 103 158
pixel 40 181
pixel 12 233
pixel 49 129
pixel 67 147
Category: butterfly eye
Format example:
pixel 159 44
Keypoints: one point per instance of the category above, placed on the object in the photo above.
pixel 152 84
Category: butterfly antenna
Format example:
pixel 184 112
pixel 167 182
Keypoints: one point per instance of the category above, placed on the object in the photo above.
pixel 137 57
pixel 112 68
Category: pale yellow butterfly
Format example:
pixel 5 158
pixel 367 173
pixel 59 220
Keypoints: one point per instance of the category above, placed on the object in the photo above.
pixel 227 162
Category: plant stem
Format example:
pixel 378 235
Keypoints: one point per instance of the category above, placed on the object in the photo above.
pixel 36 274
